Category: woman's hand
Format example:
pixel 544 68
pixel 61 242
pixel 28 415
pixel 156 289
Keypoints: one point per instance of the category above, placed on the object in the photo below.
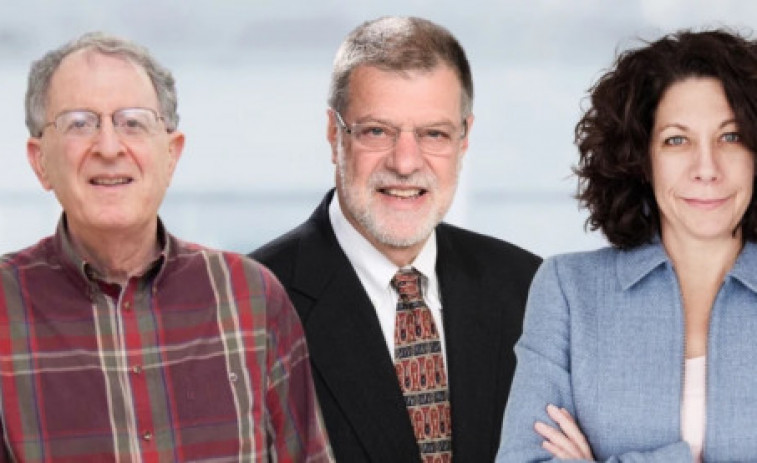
pixel 566 443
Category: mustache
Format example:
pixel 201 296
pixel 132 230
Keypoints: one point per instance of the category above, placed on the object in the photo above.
pixel 382 179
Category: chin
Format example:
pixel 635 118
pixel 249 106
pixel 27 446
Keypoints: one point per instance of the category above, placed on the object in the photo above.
pixel 115 222
pixel 400 241
pixel 401 235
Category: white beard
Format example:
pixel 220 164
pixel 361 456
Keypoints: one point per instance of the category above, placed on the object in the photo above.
pixel 390 230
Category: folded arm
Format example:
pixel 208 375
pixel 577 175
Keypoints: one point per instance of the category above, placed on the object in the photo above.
pixel 543 377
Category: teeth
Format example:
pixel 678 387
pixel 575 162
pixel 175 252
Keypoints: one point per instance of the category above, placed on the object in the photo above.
pixel 110 181
pixel 403 193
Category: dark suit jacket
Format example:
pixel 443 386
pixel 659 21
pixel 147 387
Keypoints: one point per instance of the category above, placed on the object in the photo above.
pixel 484 283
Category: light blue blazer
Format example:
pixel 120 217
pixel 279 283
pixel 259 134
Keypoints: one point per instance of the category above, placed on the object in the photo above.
pixel 604 337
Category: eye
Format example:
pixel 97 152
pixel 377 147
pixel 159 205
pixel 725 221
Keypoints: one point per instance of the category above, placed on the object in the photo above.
pixel 731 137
pixel 374 131
pixel 133 126
pixel 75 122
pixel 435 133
pixel 675 140
pixel 133 122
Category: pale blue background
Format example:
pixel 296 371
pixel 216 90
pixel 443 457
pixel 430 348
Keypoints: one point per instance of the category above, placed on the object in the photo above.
pixel 252 80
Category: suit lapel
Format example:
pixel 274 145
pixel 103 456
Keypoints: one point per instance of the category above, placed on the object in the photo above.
pixel 347 345
pixel 471 332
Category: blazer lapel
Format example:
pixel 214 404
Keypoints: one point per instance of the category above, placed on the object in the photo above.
pixel 471 332
pixel 347 346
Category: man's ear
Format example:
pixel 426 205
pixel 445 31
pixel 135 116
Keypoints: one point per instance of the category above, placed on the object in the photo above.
pixel 175 148
pixel 464 142
pixel 37 160
pixel 332 133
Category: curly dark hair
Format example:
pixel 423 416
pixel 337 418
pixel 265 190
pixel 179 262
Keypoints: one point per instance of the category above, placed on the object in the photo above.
pixel 613 136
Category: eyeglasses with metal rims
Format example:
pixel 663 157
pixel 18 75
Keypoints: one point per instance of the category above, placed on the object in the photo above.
pixel 440 139
pixel 132 123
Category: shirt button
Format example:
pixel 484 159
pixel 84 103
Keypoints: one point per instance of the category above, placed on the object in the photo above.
pixel 136 369
pixel 147 435
pixel 127 305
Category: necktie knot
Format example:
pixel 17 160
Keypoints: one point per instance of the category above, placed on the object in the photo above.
pixel 407 283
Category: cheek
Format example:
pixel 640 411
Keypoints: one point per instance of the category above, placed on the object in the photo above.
pixel 360 168
pixel 743 174
pixel 446 171
pixel 665 177
pixel 167 168
pixel 58 167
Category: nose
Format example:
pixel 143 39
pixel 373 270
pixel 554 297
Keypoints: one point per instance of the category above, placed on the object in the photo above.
pixel 705 167
pixel 107 142
pixel 406 157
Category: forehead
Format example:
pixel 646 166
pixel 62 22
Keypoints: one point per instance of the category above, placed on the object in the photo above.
pixel 693 99
pixel 89 79
pixel 402 94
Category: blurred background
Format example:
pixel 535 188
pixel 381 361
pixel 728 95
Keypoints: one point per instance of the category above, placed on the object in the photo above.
pixel 252 78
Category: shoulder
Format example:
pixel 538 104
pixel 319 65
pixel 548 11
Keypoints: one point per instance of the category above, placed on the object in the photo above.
pixel 312 244
pixel 584 261
pixel 283 253
pixel 579 274
pixel 284 247
pixel 38 254
pixel 35 271
pixel 247 276
pixel 316 228
pixel 484 249
pixel 259 302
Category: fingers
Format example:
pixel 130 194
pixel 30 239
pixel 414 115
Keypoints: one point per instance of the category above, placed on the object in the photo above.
pixel 568 442
pixel 556 442
pixel 569 426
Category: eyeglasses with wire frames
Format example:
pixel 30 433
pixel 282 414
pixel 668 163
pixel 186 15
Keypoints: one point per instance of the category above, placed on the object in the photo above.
pixel 131 123
pixel 440 139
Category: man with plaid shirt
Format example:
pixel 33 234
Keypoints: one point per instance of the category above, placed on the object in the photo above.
pixel 118 341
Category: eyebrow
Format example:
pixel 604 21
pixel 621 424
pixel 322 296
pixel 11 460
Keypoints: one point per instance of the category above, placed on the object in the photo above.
pixel 683 127
pixel 368 119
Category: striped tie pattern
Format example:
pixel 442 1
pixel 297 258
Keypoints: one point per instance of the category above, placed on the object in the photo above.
pixel 420 369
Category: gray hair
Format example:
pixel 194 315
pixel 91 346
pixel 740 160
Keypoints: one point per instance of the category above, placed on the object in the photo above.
pixel 399 44
pixel 42 71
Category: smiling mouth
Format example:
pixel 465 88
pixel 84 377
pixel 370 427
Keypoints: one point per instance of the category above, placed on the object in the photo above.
pixel 403 193
pixel 706 203
pixel 110 181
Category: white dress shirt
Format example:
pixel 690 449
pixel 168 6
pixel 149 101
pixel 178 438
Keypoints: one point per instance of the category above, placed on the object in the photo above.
pixel 375 272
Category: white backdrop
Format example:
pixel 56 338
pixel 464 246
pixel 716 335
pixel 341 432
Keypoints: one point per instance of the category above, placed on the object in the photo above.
pixel 252 77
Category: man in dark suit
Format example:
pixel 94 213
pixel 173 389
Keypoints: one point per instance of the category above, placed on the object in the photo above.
pixel 398 124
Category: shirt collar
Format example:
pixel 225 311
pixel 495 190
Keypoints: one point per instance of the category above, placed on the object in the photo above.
pixel 72 260
pixel 745 266
pixel 636 263
pixel 367 261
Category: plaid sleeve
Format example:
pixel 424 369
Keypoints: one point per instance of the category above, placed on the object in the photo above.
pixel 4 448
pixel 297 432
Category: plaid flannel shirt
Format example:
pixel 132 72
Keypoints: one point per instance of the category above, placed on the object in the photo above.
pixel 202 358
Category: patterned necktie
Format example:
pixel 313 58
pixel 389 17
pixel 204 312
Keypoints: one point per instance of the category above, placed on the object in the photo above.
pixel 420 369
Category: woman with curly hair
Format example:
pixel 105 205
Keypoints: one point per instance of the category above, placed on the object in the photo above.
pixel 645 351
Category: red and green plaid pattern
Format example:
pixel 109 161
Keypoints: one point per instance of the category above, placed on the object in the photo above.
pixel 200 359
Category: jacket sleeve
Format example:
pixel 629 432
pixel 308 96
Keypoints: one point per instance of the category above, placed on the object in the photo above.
pixel 542 377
